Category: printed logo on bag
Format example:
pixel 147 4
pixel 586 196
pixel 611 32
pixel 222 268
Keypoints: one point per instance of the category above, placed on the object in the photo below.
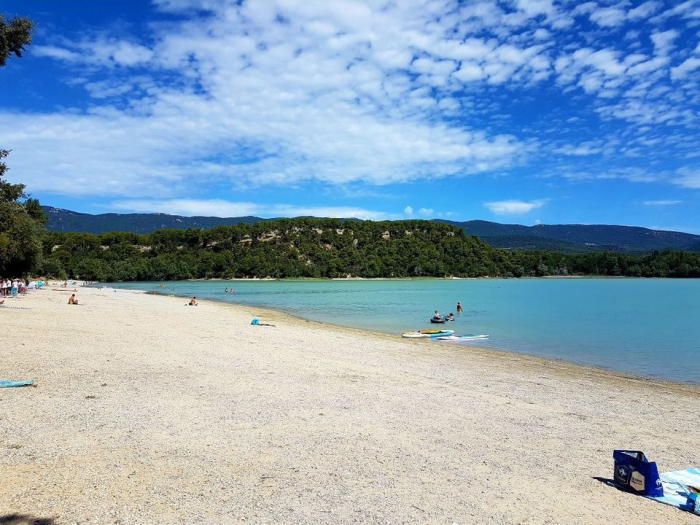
pixel 622 475
pixel 637 481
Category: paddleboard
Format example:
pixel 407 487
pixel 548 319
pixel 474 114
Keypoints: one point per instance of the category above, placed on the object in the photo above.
pixel 11 384
pixel 467 337
pixel 428 333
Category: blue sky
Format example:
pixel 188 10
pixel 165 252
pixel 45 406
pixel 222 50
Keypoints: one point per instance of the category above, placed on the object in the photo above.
pixel 520 111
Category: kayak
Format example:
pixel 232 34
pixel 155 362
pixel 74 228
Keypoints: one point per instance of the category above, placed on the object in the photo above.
pixel 467 337
pixel 428 333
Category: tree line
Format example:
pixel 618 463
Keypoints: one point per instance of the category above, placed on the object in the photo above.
pixel 327 248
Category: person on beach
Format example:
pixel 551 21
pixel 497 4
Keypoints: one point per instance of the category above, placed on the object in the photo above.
pixel 459 308
pixel 72 300
pixel 193 302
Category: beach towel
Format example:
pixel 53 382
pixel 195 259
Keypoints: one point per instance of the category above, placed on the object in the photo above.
pixel 11 384
pixel 677 490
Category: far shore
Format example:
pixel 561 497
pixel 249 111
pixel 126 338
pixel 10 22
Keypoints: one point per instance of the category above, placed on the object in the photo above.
pixel 545 277
pixel 149 411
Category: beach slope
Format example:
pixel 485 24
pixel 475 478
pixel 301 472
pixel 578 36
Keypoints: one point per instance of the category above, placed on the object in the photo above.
pixel 148 411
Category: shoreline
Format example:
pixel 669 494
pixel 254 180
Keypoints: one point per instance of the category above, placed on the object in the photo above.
pixel 487 278
pixel 149 411
pixel 547 362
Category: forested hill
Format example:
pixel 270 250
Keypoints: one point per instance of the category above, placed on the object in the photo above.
pixel 60 220
pixel 305 247
pixel 571 238
pixel 579 237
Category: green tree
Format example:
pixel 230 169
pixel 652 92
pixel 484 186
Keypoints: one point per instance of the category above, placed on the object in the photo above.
pixel 14 35
pixel 21 219
pixel 21 226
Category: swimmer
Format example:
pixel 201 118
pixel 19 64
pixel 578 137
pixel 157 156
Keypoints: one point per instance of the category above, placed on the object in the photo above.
pixel 459 308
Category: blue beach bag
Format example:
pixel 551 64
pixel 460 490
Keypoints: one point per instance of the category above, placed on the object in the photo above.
pixel 634 472
pixel 255 321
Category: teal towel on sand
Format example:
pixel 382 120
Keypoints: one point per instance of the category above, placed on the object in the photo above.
pixel 676 488
pixel 10 384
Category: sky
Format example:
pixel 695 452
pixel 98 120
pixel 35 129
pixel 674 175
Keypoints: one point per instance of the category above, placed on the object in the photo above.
pixel 517 111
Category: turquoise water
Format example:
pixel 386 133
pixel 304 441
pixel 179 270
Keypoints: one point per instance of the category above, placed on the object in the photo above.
pixel 645 327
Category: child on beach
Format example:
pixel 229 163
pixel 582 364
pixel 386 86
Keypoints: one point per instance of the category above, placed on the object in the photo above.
pixel 72 300
pixel 193 302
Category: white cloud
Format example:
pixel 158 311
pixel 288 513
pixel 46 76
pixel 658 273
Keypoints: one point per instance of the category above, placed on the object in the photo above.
pixel 644 10
pixel 425 212
pixel 223 208
pixel 688 66
pixel 331 93
pixel 662 203
pixel 663 41
pixel 608 16
pixel 408 210
pixel 100 52
pixel 688 178
pixel 58 53
pixel 514 207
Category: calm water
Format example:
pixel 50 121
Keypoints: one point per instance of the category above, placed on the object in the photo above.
pixel 645 327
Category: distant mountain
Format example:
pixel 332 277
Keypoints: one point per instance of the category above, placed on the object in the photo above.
pixel 70 221
pixel 579 237
pixel 569 238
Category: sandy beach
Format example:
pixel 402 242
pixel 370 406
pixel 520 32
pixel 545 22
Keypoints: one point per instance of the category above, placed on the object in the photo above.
pixel 147 411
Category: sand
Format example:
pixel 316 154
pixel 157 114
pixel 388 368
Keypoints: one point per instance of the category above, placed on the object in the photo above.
pixel 147 411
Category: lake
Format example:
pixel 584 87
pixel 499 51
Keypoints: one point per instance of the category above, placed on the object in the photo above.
pixel 648 327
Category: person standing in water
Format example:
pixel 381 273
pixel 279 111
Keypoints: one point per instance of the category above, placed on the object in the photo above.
pixel 459 308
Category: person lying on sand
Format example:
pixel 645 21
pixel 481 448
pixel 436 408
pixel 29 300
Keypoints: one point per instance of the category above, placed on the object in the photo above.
pixel 193 302
pixel 72 300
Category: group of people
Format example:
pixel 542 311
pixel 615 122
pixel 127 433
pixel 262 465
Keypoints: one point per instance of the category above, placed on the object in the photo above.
pixel 450 317
pixel 12 287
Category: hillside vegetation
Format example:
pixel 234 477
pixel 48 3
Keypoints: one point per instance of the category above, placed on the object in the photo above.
pixel 294 248
pixel 568 238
